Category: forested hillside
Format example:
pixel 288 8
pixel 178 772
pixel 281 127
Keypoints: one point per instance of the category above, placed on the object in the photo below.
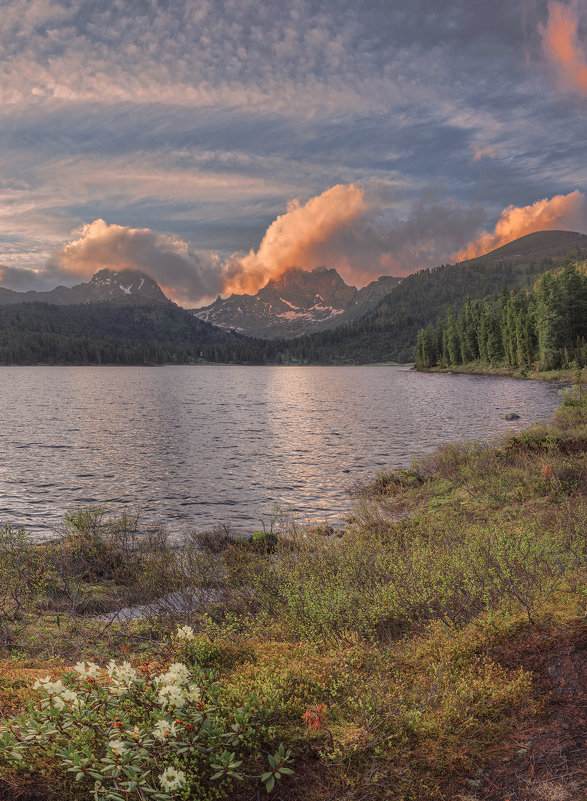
pixel 546 327
pixel 389 331
pixel 103 333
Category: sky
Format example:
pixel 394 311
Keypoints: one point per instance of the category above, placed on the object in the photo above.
pixel 216 143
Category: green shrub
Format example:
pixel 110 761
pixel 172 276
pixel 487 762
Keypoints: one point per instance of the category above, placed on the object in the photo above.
pixel 263 541
pixel 23 579
pixel 135 733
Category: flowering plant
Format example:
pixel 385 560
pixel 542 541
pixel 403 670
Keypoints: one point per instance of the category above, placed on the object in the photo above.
pixel 137 733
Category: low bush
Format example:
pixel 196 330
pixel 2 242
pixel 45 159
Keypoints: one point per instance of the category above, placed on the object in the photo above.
pixel 134 733
pixel 23 580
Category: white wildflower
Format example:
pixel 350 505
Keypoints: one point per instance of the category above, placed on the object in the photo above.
pixel 171 695
pixel 117 746
pixel 172 779
pixel 164 730
pixel 194 693
pixel 70 697
pixel 177 673
pixel 87 670
pixel 124 673
pixel 122 676
pixel 50 687
pixel 185 633
pixel 56 690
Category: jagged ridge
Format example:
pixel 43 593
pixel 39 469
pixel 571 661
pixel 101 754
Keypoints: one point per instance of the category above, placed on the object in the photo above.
pixel 295 303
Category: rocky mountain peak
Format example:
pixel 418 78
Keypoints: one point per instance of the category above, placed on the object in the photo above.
pixel 116 286
pixel 127 283
pixel 294 303
pixel 307 288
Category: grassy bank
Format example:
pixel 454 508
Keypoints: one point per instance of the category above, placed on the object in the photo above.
pixel 431 649
pixel 567 375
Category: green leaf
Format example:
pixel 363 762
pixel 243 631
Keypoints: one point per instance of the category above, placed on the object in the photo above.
pixel 270 783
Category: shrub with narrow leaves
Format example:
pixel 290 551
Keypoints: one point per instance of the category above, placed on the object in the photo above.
pixel 136 733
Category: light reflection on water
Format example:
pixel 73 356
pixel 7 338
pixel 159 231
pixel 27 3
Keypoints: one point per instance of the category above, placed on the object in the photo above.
pixel 194 446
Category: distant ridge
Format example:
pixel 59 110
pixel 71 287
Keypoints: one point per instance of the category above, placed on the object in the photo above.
pixel 126 287
pixel 541 244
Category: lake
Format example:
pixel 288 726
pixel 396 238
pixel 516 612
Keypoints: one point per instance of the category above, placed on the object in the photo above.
pixel 195 446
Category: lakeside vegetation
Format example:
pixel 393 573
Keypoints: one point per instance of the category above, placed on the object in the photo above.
pixel 543 329
pixel 427 650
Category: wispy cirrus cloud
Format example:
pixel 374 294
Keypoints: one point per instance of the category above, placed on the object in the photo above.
pixel 201 119
pixel 482 152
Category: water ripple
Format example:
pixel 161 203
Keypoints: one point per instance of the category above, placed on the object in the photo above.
pixel 202 445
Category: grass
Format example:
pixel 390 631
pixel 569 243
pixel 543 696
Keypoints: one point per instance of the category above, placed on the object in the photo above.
pixel 567 374
pixel 392 656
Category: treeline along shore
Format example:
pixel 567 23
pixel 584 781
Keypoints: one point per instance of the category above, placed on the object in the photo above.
pixel 432 647
pixel 542 329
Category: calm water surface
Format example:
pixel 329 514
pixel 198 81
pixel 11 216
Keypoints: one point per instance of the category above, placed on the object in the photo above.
pixel 194 446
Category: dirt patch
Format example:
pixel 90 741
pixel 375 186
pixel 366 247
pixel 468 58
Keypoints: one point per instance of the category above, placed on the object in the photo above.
pixel 546 761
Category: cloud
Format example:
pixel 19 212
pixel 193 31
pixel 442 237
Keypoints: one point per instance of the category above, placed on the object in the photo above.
pixel 565 212
pixel 359 233
pixel 294 239
pixel 480 152
pixel 561 46
pixel 345 227
pixel 184 274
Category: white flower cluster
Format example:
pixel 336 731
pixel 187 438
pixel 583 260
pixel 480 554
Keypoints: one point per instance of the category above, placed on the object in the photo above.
pixel 185 633
pixel 117 746
pixel 60 695
pixel 172 779
pixel 173 691
pixel 164 730
pixel 88 670
pixel 122 676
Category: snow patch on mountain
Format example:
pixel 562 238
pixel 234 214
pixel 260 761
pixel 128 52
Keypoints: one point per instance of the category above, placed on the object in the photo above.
pixel 297 302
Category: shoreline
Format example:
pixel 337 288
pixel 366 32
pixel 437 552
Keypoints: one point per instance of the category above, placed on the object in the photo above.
pixel 295 621
pixel 566 376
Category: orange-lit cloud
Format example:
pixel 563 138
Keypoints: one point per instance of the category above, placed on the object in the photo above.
pixel 345 228
pixel 297 238
pixel 167 259
pixel 562 48
pixel 565 212
pixel 482 152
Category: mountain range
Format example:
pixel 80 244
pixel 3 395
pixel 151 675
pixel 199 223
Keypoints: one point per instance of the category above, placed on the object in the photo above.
pixel 124 318
pixel 295 303
pixel 124 287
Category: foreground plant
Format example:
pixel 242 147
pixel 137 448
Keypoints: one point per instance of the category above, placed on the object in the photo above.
pixel 135 733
